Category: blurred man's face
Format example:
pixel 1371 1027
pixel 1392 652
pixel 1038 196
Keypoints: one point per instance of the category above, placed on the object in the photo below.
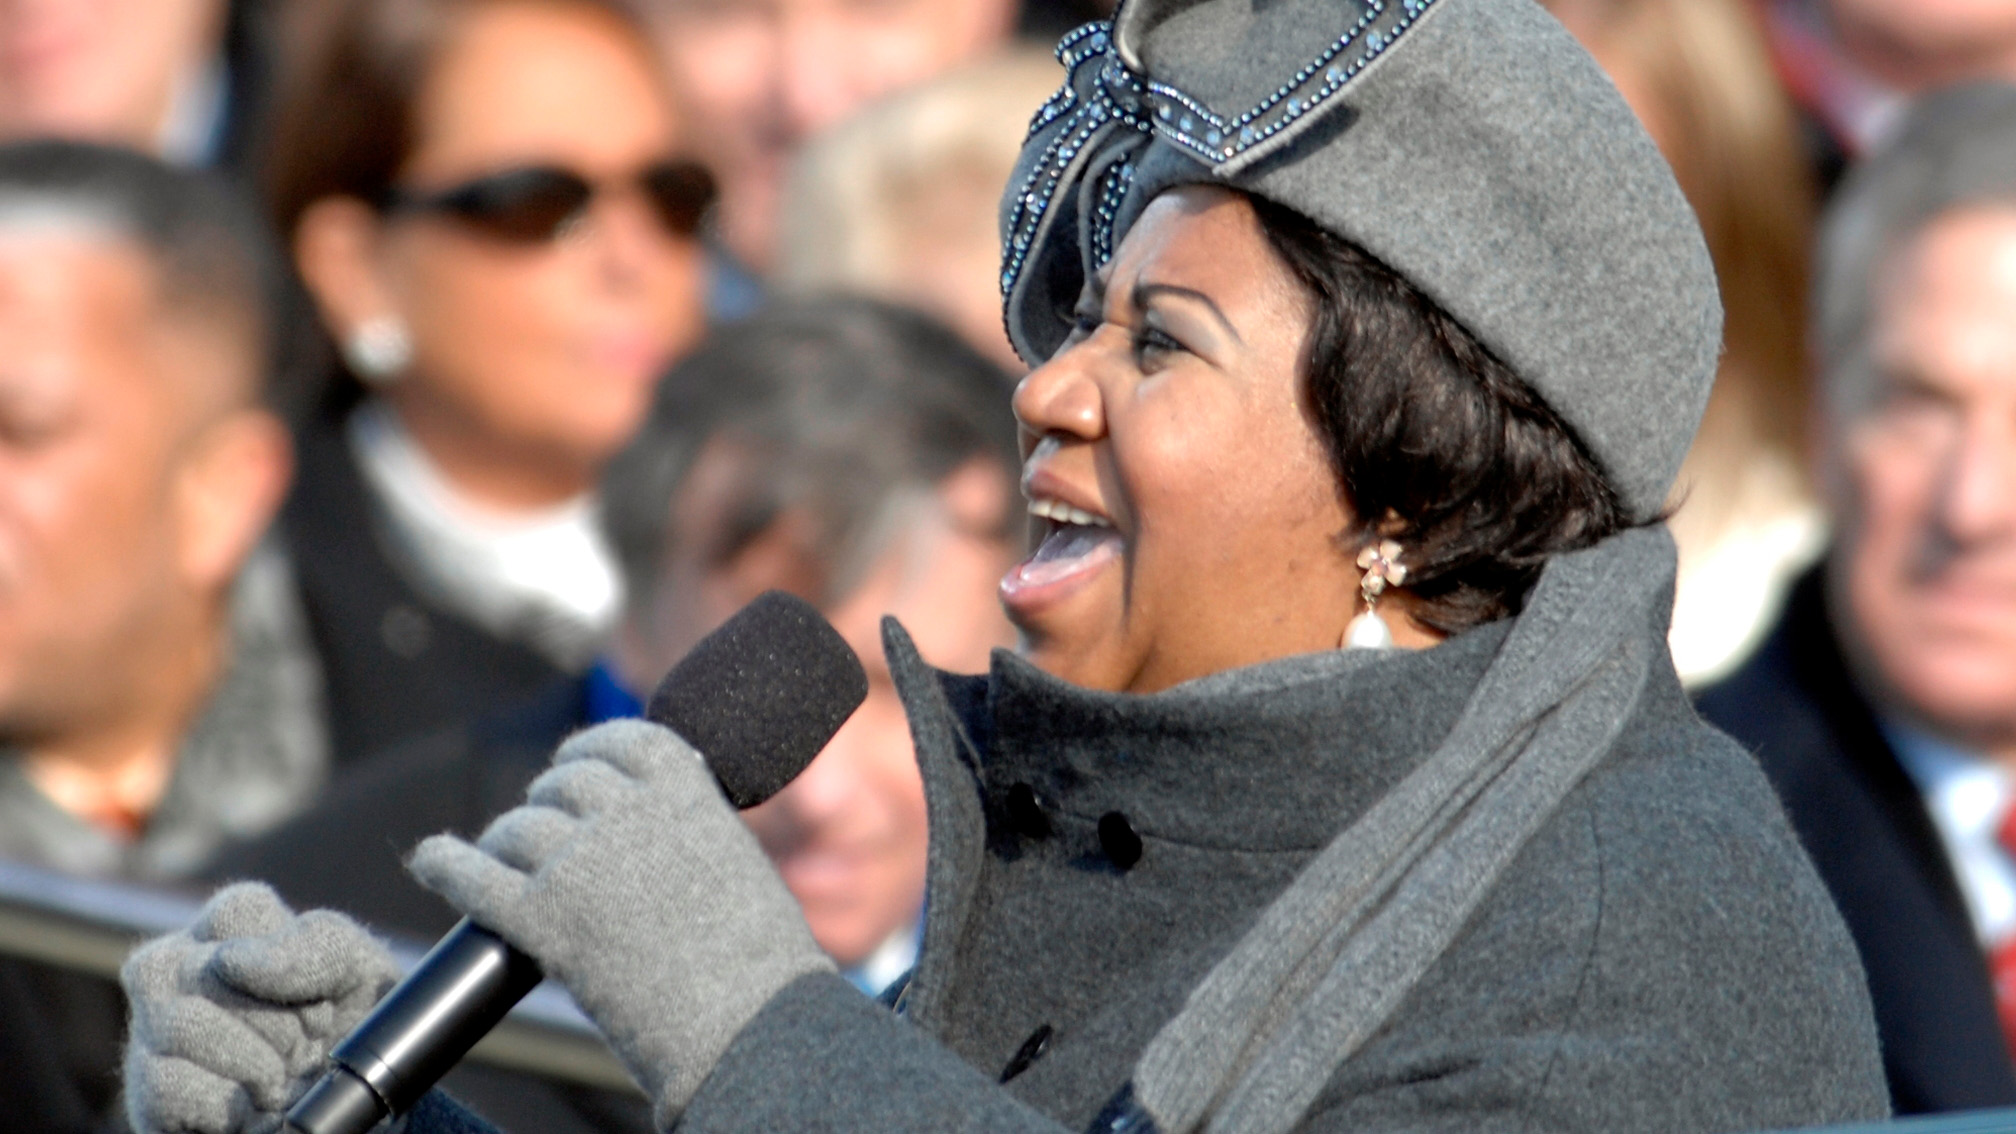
pixel 849 835
pixel 89 429
pixel 100 69
pixel 758 76
pixel 1930 548
pixel 1920 44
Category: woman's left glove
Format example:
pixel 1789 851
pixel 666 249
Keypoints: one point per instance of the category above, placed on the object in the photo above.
pixel 632 881
pixel 234 1016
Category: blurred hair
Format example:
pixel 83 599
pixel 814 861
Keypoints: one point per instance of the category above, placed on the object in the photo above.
pixel 844 405
pixel 1439 446
pixel 1699 72
pixel 859 191
pixel 345 119
pixel 1956 150
pixel 211 250
pixel 913 177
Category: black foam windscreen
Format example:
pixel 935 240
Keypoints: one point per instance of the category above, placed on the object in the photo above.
pixel 761 695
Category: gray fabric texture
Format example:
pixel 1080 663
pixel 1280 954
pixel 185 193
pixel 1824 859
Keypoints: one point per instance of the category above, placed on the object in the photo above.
pixel 633 882
pixel 234 1017
pixel 1956 148
pixel 258 754
pixel 1334 955
pixel 1656 956
pixel 1471 145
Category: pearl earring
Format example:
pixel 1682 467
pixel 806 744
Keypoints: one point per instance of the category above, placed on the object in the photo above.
pixel 379 350
pixel 1382 569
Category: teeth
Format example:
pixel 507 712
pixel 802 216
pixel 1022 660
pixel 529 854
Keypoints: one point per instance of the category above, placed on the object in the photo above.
pixel 1065 514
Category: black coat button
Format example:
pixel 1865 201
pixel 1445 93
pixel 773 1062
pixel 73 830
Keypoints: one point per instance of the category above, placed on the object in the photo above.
pixel 1117 837
pixel 1032 1049
pixel 1025 811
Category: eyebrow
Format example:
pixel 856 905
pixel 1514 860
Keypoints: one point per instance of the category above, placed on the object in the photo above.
pixel 1143 292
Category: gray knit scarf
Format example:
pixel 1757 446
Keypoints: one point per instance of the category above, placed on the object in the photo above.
pixel 1334 955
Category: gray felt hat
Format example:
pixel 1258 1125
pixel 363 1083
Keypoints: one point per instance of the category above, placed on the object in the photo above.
pixel 1471 145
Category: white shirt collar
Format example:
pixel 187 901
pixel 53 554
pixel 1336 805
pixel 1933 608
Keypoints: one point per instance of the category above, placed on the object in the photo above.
pixel 1967 796
pixel 889 961
pixel 547 578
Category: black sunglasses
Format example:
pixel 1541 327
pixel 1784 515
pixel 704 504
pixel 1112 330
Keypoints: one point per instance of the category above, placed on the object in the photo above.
pixel 539 203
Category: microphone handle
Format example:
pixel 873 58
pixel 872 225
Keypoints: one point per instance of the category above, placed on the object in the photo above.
pixel 463 988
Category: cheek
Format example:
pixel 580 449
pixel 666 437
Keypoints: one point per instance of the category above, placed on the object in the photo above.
pixel 1893 490
pixel 1247 490
pixel 510 340
pixel 883 765
pixel 84 535
pixel 479 309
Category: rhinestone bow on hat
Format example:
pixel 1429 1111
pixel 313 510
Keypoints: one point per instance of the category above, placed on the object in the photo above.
pixel 1090 132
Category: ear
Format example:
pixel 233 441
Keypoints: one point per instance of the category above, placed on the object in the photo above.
pixel 336 251
pixel 228 486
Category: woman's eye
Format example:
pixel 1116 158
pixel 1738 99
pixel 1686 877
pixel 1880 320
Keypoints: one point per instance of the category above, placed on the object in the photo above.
pixel 1150 342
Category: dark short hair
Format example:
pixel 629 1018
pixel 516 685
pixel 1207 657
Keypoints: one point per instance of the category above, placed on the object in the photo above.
pixel 847 402
pixel 1438 444
pixel 210 247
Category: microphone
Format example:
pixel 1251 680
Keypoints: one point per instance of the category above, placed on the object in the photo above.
pixel 758 697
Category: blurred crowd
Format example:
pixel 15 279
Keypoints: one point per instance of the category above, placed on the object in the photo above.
pixel 389 388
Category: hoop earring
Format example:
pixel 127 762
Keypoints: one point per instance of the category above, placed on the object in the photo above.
pixel 1383 569
pixel 379 350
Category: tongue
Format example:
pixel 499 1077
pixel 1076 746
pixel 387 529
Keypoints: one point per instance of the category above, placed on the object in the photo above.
pixel 1068 549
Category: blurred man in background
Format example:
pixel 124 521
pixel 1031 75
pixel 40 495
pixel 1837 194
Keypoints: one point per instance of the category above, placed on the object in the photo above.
pixel 1856 64
pixel 153 704
pixel 157 695
pixel 758 77
pixel 899 200
pixel 1884 704
pixel 181 79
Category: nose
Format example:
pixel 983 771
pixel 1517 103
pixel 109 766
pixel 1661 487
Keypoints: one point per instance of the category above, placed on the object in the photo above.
pixel 626 241
pixel 828 786
pixel 1977 494
pixel 1062 398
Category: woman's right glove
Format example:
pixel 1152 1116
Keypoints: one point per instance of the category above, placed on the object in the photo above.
pixel 233 1018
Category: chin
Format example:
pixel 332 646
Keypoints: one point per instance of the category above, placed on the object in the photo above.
pixel 1080 665
pixel 1972 697
pixel 846 940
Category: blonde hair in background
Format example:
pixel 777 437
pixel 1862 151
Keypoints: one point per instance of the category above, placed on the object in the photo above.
pixel 899 201
pixel 1699 75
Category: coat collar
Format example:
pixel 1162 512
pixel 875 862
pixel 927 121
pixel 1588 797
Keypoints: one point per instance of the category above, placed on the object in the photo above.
pixel 1274 757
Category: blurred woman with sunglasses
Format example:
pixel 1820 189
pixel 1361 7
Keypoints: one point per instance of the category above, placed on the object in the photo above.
pixel 486 202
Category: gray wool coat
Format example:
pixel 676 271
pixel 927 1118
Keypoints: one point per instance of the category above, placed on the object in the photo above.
pixel 1660 957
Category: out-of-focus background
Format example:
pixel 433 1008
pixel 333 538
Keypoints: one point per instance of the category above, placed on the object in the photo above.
pixel 389 388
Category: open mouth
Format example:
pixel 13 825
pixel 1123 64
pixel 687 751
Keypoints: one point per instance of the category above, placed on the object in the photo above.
pixel 1075 544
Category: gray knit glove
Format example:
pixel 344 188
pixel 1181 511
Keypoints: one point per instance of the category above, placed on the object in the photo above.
pixel 234 1016
pixel 630 878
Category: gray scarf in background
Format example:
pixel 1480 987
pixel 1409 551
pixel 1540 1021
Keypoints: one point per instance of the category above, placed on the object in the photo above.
pixel 1331 959
pixel 258 753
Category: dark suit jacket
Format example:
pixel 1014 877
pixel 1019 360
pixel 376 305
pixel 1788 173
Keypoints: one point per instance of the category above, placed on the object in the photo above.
pixel 397 666
pixel 347 853
pixel 1862 819
pixel 60 1038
